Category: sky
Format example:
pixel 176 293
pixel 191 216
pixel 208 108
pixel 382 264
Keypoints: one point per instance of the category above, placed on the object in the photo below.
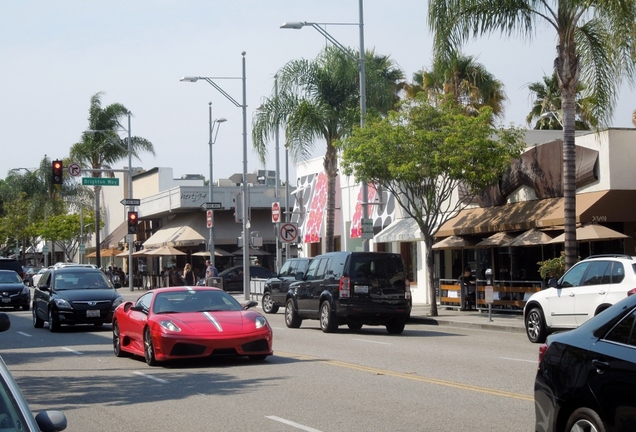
pixel 55 55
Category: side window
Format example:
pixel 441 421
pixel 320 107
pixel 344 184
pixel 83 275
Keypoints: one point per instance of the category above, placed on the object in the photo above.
pixel 286 269
pixel 322 268
pixel 595 272
pixel 618 273
pixel 623 332
pixel 45 279
pixel 144 301
pixel 574 276
pixel 311 271
pixel 301 266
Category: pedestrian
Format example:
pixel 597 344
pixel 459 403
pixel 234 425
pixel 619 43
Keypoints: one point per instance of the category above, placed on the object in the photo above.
pixel 210 270
pixel 188 275
pixel 468 287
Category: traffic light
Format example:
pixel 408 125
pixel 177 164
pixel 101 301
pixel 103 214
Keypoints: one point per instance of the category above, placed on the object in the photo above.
pixel 133 222
pixel 57 168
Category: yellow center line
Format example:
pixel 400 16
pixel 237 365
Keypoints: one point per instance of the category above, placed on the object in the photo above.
pixel 411 377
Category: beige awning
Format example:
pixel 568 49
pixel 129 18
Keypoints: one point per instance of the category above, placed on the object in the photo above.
pixel 496 240
pixel 400 230
pixel 454 242
pixel 592 232
pixel 180 231
pixel 113 239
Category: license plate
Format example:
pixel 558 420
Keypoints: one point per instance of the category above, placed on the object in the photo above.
pixel 92 313
pixel 6 300
pixel 362 289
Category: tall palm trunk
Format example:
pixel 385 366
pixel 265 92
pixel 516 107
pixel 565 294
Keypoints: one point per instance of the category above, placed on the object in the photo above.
pixel 98 221
pixel 331 169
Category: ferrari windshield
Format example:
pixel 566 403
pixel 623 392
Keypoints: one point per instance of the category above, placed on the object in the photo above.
pixel 194 301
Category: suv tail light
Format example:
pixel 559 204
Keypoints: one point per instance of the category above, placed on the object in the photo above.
pixel 407 289
pixel 631 291
pixel 542 349
pixel 343 288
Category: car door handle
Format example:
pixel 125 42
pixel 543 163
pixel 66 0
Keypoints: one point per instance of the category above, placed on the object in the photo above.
pixel 600 366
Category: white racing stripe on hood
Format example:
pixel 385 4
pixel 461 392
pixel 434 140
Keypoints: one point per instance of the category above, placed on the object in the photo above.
pixel 213 320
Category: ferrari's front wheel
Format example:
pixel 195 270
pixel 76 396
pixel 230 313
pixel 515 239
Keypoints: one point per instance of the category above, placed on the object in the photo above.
pixel 117 341
pixel 149 349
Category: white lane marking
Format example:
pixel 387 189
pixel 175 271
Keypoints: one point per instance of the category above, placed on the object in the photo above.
pixel 376 342
pixel 24 334
pixel 141 374
pixel 291 423
pixel 521 360
pixel 72 350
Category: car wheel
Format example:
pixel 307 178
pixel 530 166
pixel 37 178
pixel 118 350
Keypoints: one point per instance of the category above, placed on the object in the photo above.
pixel 258 358
pixel 354 325
pixel 292 320
pixel 535 326
pixel 396 325
pixel 585 420
pixel 117 341
pixel 268 304
pixel 37 321
pixel 328 319
pixel 54 324
pixel 149 349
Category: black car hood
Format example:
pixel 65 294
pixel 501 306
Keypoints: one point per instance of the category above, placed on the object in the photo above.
pixel 87 294
pixel 11 288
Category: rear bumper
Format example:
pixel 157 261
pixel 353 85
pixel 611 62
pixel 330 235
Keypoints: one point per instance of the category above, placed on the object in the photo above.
pixel 372 313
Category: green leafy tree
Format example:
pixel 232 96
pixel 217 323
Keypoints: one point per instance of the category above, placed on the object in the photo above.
pixel 319 99
pixel 546 109
pixel 422 154
pixel 100 150
pixel 469 82
pixel 65 231
pixel 596 45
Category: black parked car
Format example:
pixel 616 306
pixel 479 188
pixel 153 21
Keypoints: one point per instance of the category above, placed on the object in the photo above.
pixel 587 376
pixel 352 288
pixel 233 277
pixel 12 264
pixel 74 295
pixel 13 292
pixel 275 290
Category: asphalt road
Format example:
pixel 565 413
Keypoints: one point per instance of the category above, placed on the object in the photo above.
pixel 427 379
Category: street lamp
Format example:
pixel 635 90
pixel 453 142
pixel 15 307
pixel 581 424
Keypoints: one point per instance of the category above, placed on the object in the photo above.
pixel 246 223
pixel 129 195
pixel 296 25
pixel 214 131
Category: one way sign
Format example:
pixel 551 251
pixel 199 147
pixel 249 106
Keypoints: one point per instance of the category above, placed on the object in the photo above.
pixel 288 232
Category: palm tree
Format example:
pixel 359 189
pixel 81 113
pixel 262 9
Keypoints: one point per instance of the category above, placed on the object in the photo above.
pixel 320 99
pixel 546 109
pixel 100 150
pixel 596 45
pixel 471 85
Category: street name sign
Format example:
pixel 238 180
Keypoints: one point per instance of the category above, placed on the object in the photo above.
pixel 367 228
pixel 212 206
pixel 100 181
pixel 130 202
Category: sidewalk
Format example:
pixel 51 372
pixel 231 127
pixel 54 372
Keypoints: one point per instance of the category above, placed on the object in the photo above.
pixel 500 320
pixel 420 314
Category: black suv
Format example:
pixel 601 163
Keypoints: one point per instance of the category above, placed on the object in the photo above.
pixel 12 264
pixel 275 290
pixel 74 295
pixel 352 288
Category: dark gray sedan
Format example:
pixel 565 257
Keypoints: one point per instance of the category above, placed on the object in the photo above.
pixel 13 292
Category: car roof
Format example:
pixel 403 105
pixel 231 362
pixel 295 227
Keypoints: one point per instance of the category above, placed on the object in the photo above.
pixel 185 288
pixel 75 269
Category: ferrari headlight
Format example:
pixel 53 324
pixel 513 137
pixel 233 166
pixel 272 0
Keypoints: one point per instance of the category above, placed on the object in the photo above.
pixel 260 322
pixel 169 325
pixel 62 304
pixel 117 302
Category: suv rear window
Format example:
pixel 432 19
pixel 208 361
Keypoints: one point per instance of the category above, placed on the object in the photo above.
pixel 387 267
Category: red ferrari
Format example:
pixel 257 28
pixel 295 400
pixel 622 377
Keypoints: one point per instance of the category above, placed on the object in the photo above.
pixel 188 322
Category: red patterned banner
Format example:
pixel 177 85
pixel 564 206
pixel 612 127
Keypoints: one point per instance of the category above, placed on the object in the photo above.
pixel 356 221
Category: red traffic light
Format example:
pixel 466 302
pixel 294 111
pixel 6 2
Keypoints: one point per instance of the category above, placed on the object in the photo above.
pixel 56 170
pixel 133 222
